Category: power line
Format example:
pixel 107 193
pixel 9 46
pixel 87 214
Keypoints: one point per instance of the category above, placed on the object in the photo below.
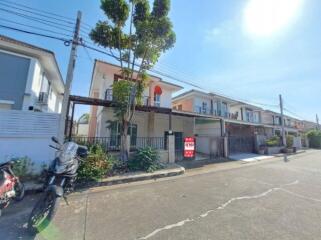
pixel 40 20
pixel 66 41
pixel 38 10
pixel 35 13
pixel 34 27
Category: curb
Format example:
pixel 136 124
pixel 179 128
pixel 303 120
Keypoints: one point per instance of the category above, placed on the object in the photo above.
pixel 142 177
pixel 33 188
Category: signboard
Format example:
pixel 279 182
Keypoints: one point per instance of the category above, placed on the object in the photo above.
pixel 189 147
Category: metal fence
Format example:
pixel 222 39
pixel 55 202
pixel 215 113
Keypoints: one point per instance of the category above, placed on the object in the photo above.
pixel 113 143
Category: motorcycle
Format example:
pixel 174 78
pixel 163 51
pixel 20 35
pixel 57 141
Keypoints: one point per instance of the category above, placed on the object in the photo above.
pixel 60 179
pixel 10 185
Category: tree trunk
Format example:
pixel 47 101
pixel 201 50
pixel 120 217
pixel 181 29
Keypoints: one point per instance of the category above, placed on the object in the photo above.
pixel 124 153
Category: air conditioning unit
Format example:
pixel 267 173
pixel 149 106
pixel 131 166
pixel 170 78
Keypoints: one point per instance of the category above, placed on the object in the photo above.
pixel 43 98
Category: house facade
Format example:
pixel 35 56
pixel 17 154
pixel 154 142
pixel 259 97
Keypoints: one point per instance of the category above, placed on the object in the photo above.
pixel 152 122
pixel 292 125
pixel 30 78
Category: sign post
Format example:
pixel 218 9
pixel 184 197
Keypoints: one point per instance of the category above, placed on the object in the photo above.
pixel 189 147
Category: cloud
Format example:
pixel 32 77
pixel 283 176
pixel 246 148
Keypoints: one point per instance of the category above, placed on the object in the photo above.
pixel 225 31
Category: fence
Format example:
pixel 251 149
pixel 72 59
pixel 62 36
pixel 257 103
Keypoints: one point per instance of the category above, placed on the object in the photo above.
pixel 113 143
pixel 212 147
pixel 27 134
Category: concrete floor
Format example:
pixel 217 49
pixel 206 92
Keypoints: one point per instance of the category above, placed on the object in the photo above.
pixel 266 200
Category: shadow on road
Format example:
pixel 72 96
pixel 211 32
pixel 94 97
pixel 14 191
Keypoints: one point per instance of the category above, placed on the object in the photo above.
pixel 13 222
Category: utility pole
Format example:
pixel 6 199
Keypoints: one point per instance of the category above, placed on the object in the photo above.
pixel 282 124
pixel 69 78
pixel 317 120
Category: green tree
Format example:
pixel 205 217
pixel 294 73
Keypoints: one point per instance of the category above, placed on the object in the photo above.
pixel 136 36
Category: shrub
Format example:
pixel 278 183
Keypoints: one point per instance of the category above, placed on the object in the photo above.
pixel 145 159
pixel 314 137
pixel 289 141
pixel 23 168
pixel 273 141
pixel 97 164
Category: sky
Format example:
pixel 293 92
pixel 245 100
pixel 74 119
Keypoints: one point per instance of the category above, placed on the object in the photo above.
pixel 250 50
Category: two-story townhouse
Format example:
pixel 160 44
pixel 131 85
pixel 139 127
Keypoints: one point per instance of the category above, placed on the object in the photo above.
pixel 292 125
pixel 30 77
pixel 155 119
pixel 204 103
pixel 238 120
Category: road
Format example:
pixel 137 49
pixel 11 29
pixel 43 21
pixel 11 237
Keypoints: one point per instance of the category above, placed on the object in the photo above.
pixel 267 200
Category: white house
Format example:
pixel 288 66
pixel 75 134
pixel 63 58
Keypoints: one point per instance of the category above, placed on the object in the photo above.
pixel 30 78
pixel 31 93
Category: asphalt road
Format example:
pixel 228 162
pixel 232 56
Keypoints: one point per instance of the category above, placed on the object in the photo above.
pixel 269 200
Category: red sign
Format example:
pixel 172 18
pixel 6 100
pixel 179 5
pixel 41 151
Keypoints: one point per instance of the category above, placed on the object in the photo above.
pixel 189 147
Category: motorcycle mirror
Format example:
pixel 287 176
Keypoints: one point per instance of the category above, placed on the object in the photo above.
pixel 54 139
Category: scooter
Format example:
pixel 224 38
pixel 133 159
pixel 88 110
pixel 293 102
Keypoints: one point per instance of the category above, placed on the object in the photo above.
pixel 10 185
pixel 61 176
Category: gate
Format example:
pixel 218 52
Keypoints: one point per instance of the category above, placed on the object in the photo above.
pixel 241 144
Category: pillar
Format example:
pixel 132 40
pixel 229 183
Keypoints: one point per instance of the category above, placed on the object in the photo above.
pixel 226 147
pixel 171 148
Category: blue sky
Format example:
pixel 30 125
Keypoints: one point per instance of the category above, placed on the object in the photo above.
pixel 216 52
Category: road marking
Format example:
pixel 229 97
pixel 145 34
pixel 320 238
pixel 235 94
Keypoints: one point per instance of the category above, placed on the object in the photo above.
pixel 179 224
pixel 222 207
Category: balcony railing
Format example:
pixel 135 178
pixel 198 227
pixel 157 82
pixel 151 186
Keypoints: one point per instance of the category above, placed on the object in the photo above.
pixel 146 99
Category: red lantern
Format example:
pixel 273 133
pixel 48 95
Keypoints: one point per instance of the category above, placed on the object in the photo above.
pixel 158 90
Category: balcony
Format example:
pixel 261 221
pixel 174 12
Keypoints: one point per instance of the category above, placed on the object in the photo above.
pixel 146 101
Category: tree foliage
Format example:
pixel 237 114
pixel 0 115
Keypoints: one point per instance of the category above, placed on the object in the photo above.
pixel 136 36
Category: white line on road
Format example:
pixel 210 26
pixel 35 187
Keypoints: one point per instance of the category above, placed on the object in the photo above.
pixel 223 206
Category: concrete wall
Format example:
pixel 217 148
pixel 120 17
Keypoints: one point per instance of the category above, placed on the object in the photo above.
pixel 27 134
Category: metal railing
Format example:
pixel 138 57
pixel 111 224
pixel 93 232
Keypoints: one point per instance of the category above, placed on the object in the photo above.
pixel 113 143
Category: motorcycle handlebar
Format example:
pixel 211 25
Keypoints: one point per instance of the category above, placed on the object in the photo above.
pixel 54 147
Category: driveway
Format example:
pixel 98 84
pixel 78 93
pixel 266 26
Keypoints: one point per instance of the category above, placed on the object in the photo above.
pixel 271 200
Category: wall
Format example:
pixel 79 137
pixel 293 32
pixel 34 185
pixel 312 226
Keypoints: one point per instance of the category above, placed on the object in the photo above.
pixel 150 124
pixel 27 134
pixel 13 82
pixel 187 104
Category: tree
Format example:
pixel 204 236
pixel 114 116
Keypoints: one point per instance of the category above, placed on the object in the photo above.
pixel 136 36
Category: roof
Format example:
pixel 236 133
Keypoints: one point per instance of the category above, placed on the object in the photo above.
pixel 45 56
pixel 209 94
pixel 115 65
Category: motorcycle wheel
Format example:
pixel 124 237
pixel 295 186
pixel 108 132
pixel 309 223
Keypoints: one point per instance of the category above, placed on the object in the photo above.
pixel 20 191
pixel 43 212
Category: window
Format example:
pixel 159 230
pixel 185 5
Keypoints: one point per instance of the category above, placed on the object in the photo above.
pixel 204 107
pixel 115 134
pixel 180 107
pixel 157 99
pixel 224 109
pixel 109 94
